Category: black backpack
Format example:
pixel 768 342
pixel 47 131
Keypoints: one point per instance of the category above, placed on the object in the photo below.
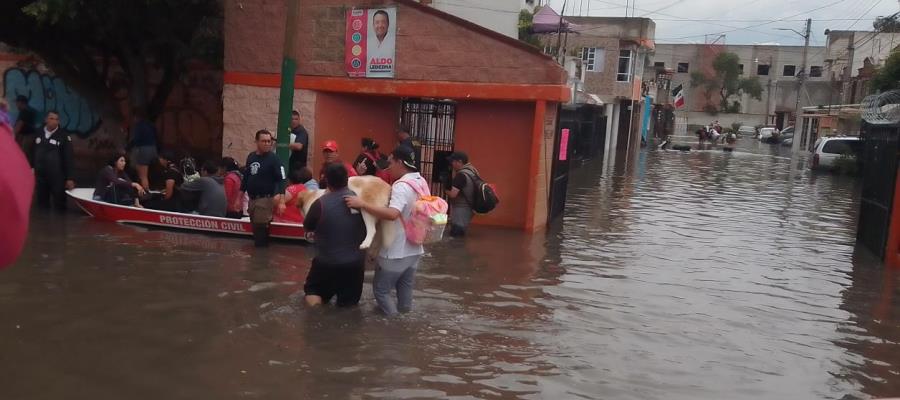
pixel 484 195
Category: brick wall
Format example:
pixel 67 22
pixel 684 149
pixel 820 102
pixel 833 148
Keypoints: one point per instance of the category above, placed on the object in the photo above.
pixel 429 46
pixel 545 167
pixel 248 109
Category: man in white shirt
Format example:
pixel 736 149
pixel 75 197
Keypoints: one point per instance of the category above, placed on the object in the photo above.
pixel 398 260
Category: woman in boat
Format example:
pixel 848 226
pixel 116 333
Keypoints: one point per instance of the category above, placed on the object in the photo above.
pixel 233 195
pixel 289 211
pixel 370 161
pixel 114 185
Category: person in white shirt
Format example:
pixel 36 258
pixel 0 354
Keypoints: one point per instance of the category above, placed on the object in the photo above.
pixel 397 261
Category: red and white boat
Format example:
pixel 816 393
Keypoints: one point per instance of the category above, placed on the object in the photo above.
pixel 164 219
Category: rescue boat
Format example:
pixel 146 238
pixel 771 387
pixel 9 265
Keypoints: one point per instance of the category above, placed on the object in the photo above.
pixel 180 221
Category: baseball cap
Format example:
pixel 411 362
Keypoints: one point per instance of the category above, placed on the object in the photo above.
pixel 459 156
pixel 330 145
pixel 405 155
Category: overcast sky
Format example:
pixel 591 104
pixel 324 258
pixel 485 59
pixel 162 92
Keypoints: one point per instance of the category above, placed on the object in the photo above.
pixel 741 21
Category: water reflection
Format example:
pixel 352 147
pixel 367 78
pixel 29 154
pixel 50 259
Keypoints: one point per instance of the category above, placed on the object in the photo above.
pixel 672 275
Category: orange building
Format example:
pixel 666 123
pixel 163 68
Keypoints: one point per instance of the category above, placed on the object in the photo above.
pixel 456 86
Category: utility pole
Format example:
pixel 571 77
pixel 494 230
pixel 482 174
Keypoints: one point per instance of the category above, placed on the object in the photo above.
pixel 288 71
pixel 848 70
pixel 801 77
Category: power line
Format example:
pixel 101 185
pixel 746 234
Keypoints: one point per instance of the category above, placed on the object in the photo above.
pixel 864 14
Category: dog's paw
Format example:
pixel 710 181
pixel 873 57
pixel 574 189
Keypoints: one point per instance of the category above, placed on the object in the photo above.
pixel 365 246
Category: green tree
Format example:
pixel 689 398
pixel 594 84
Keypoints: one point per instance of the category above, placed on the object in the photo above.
pixel 83 42
pixel 727 82
pixel 887 77
pixel 526 20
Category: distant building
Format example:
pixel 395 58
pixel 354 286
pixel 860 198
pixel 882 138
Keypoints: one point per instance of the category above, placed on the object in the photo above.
pixel 500 16
pixel 851 58
pixel 605 57
pixel 775 66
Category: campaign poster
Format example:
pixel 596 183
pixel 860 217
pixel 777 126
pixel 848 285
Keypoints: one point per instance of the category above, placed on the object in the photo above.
pixel 370 42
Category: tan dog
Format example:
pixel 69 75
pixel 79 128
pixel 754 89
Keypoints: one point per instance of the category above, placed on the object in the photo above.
pixel 372 190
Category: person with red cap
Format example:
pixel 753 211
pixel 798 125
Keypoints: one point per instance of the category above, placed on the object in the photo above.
pixel 330 155
pixel 16 188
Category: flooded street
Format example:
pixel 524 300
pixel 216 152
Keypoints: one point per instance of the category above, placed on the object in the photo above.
pixel 698 275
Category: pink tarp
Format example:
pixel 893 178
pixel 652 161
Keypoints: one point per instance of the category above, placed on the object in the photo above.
pixel 16 185
pixel 548 21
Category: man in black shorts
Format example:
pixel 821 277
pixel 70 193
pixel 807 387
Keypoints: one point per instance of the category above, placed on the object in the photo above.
pixel 339 266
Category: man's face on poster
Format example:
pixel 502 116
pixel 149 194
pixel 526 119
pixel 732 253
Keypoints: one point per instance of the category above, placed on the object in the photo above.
pixel 381 23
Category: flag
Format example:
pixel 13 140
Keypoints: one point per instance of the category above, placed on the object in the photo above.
pixel 678 96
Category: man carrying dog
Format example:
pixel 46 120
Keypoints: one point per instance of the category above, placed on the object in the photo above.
pixel 399 259
pixel 339 266
pixel 264 183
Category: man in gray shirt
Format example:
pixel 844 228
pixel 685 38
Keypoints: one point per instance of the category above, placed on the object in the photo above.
pixel 212 192
pixel 339 266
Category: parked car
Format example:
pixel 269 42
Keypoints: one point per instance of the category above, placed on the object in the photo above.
pixel 765 134
pixel 828 150
pixel 746 131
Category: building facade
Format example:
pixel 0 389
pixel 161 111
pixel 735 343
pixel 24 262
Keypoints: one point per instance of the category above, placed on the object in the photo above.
pixel 851 58
pixel 776 68
pixel 456 86
pixel 501 16
pixel 606 57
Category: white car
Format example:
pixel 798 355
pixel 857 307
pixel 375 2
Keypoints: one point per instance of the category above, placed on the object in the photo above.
pixel 766 133
pixel 746 131
pixel 829 149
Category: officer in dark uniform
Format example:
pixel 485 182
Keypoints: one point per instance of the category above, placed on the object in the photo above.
pixel 53 163
pixel 264 183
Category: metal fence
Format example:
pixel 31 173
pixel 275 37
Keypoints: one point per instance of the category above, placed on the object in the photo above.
pixel 432 123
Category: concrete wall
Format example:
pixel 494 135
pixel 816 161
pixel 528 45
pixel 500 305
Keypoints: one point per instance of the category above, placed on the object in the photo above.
pixel 779 91
pixel 348 118
pixel 497 138
pixel 501 16
pixel 430 45
pixel 248 109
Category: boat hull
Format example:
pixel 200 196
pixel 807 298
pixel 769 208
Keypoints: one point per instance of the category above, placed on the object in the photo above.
pixel 171 220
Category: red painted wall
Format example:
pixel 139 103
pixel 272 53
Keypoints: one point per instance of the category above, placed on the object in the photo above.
pixel 497 138
pixel 349 118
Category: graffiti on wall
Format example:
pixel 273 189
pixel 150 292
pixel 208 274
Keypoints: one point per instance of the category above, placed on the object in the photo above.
pixel 45 93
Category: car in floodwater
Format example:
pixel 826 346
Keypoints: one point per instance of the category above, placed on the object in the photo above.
pixel 766 133
pixel 746 131
pixel 828 150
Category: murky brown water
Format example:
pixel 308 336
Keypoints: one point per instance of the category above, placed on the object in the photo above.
pixel 679 276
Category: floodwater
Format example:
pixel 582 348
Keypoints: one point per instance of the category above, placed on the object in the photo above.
pixel 697 275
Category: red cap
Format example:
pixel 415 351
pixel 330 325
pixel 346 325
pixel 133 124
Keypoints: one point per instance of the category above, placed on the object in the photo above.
pixel 330 145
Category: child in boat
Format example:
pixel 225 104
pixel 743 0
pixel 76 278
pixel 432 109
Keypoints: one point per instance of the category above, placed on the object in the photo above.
pixel 290 212
pixel 114 186
pixel 233 195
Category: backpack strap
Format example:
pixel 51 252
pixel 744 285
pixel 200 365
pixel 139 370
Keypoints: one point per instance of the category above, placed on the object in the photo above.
pixel 419 190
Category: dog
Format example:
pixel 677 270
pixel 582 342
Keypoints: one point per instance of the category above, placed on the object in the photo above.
pixel 372 190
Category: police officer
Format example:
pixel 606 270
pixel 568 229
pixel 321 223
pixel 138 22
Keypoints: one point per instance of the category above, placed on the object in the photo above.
pixel 53 163
pixel 264 183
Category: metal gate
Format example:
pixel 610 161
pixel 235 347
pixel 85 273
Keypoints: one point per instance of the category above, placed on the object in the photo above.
pixel 880 149
pixel 432 124
pixel 559 175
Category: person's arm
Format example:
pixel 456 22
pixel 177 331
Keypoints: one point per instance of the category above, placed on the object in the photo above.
pixel 389 213
pixel 298 144
pixel 68 160
pixel 311 219
pixel 459 183
pixel 19 126
pixel 170 188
